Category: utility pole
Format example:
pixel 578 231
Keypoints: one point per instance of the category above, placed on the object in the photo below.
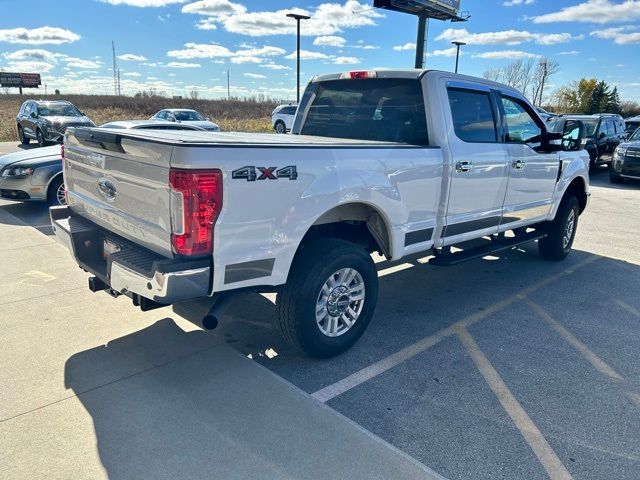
pixel 116 81
pixel 45 89
pixel 458 45
pixel 228 87
pixel 119 86
pixel 298 18
pixel 423 27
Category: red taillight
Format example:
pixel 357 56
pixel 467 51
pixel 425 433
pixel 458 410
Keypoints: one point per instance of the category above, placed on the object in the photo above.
pixel 62 151
pixel 359 74
pixel 196 204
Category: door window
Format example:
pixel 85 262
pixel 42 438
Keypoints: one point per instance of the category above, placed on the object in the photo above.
pixel 521 127
pixel 27 109
pixel 473 117
pixel 162 115
pixel 611 129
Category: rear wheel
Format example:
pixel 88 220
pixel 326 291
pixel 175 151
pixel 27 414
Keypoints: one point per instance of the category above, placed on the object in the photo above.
pixel 561 231
pixel 280 127
pixel 329 298
pixel 56 195
pixel 40 138
pixel 21 136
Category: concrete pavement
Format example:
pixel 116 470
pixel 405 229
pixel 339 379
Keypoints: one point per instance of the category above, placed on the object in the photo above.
pixel 93 388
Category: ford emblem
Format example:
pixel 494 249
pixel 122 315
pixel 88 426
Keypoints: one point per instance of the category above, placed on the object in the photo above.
pixel 107 189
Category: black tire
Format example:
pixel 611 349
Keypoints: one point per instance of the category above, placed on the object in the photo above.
pixel 280 127
pixel 613 178
pixel 40 138
pixel 53 193
pixel 296 303
pixel 557 244
pixel 21 136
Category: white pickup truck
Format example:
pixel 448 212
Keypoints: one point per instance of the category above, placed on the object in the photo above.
pixel 395 162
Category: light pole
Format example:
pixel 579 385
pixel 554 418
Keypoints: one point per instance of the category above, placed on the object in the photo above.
pixel 458 45
pixel 298 18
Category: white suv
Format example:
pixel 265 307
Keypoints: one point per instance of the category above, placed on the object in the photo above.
pixel 282 118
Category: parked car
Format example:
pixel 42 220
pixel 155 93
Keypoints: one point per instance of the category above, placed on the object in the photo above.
pixel 167 217
pixel 190 117
pixel 36 175
pixel 626 160
pixel 544 114
pixel 603 132
pixel 282 118
pixel 632 124
pixel 46 121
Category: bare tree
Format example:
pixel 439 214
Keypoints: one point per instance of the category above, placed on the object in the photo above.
pixel 194 94
pixel 518 74
pixel 544 70
pixel 494 74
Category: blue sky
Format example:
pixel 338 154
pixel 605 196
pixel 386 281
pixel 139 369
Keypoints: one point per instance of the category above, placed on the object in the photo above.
pixel 175 46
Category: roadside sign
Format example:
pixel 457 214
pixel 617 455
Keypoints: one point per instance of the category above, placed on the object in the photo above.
pixel 20 80
pixel 418 7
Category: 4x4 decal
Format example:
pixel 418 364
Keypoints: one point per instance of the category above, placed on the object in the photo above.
pixel 251 173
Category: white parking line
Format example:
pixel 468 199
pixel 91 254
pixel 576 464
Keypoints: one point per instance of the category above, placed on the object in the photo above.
pixel 591 357
pixel 534 438
pixel 628 307
pixel 331 391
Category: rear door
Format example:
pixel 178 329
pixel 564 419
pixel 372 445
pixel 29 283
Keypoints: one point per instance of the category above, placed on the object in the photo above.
pixel 121 184
pixel 479 164
pixel 532 173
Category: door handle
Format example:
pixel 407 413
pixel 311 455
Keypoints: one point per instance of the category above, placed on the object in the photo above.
pixel 518 164
pixel 464 166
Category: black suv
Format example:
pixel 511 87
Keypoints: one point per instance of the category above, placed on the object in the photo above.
pixel 603 132
pixel 47 121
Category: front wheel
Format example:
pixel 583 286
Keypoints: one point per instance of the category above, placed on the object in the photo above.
pixel 40 138
pixel 561 231
pixel 56 195
pixel 280 127
pixel 329 298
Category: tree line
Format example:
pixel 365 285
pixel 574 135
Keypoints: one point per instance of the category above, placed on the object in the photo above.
pixel 587 95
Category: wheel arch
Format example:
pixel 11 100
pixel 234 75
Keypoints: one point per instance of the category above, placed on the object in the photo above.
pixel 357 222
pixel 578 188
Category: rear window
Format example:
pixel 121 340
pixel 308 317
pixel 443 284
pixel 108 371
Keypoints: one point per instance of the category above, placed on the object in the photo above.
pixel 473 117
pixel 386 109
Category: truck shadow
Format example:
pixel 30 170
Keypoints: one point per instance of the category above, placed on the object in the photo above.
pixel 167 403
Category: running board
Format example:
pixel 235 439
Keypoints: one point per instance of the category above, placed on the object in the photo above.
pixel 448 259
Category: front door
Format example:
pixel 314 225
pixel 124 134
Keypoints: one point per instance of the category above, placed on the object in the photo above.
pixel 478 164
pixel 532 173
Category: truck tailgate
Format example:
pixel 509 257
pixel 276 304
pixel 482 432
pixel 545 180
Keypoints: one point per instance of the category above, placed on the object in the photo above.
pixel 121 184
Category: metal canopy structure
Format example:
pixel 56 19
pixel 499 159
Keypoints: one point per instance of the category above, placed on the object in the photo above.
pixel 424 9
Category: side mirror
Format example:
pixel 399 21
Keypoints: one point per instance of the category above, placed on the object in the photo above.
pixel 34 115
pixel 601 135
pixel 572 136
pixel 171 118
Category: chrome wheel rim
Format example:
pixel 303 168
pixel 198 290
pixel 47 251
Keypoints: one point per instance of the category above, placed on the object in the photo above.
pixel 40 138
pixel 340 302
pixel 279 128
pixel 60 195
pixel 568 229
pixel 20 135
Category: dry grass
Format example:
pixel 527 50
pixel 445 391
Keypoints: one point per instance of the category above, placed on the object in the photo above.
pixel 248 115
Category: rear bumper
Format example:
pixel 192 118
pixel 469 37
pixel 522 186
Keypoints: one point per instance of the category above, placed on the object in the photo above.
pixel 133 271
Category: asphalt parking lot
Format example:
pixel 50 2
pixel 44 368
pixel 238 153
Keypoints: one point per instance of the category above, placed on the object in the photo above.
pixel 505 367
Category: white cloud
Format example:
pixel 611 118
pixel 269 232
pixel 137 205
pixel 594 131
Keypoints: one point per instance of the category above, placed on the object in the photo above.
pixel 254 75
pixel 132 74
pixel 365 47
pixel 265 51
pixel 73 62
pixel 29 66
pixel 512 3
pixel 620 35
pixel 406 46
pixel 594 11
pixel 330 41
pixel 569 52
pixel 35 54
pixel 38 36
pixel 182 65
pixel 326 19
pixel 143 3
pixel 246 59
pixel 307 55
pixel 207 24
pixel 214 8
pixel 200 50
pixel 505 37
pixel 275 66
pixel 132 57
pixel 506 54
pixel 346 61
pixel 447 52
